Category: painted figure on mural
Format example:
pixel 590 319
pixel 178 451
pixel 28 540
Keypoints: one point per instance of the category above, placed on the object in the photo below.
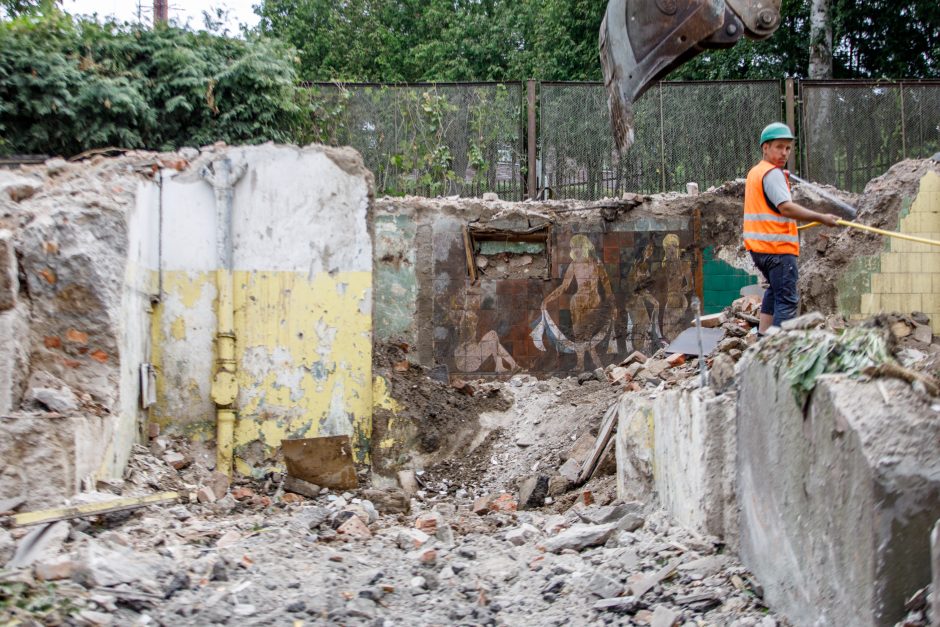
pixel 677 277
pixel 592 317
pixel 472 354
pixel 643 308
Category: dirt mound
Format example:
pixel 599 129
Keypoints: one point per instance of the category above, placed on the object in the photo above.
pixel 879 206
pixel 428 420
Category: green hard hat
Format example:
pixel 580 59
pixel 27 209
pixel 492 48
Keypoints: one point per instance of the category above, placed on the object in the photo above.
pixel 777 130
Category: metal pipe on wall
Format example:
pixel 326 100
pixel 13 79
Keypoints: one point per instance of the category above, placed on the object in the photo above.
pixel 223 174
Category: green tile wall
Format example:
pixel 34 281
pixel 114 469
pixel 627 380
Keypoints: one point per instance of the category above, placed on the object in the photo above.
pixel 722 283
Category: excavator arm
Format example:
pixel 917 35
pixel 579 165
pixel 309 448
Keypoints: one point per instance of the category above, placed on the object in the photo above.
pixel 642 41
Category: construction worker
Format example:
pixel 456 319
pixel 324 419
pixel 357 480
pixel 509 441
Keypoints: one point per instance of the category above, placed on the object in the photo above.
pixel 770 233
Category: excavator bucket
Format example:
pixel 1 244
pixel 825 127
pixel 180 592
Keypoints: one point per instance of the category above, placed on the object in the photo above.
pixel 642 41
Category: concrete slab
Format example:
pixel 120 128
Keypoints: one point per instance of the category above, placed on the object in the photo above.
pixel 837 504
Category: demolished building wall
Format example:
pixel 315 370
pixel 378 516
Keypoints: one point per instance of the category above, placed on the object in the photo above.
pixel 76 298
pixel 487 289
pixel 303 299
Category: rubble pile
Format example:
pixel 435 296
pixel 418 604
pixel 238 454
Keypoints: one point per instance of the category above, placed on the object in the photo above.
pixel 263 555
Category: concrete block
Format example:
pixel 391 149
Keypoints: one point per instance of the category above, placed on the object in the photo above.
pixel 891 262
pixel 9 281
pixel 694 460
pixel 871 303
pixel 878 283
pixel 837 503
pixel 935 565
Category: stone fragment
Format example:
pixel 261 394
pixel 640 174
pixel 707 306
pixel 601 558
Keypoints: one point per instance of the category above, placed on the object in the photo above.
pixel 554 524
pixel 388 501
pixel 899 329
pixel 580 537
pixel 490 197
pixel 721 375
pixel 732 343
pixel 9 281
pixel 521 535
pixel 205 495
pixel 504 503
pixel 176 460
pixel 664 617
pixel 407 481
pixel 584 377
pixel 532 491
pixel 242 493
pixel 657 366
pixel 55 569
pixel 299 486
pixel 811 320
pixel 582 447
pixel 481 506
pixel 355 528
pixel 41 543
pixel 634 357
pixel 599 515
pixel 923 333
pixel 733 329
pixel 291 498
pixel 935 563
pixel 705 566
pixel 618 374
pixel 620 605
pixel 570 470
pixel 61 400
pixel 525 440
pixel 712 321
pixel 110 565
pixel 228 538
pixel 604 587
pixel 409 539
pixel 91 618
pixel 429 522
pixel 425 555
pixel 219 483
pixel 557 485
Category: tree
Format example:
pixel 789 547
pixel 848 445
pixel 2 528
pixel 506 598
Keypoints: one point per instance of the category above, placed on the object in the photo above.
pixel 15 8
pixel 820 40
pixel 68 85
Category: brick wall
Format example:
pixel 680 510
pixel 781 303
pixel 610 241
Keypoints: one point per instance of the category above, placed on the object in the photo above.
pixel 906 276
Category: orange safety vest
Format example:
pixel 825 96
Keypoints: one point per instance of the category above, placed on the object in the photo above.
pixel 765 229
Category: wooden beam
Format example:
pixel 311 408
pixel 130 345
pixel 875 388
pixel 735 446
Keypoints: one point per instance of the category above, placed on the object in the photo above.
pixel 92 509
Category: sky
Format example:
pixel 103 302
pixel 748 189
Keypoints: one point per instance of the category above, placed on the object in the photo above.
pixel 240 11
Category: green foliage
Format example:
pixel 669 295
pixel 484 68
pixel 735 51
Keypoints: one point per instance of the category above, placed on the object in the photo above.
pixel 809 356
pixel 69 85
pixel 22 603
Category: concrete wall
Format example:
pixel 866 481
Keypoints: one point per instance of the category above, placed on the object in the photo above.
pixel 609 286
pixel 906 276
pixel 75 330
pixel 836 503
pixel 682 442
pixel 303 300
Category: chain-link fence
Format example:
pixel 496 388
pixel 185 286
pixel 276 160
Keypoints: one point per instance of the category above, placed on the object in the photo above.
pixel 854 131
pixel 469 138
pixel 429 140
pixel 685 132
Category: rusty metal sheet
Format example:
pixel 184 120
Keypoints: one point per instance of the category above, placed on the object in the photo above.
pixel 326 462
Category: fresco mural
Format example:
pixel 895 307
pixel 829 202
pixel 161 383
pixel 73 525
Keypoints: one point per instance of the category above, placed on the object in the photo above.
pixel 609 293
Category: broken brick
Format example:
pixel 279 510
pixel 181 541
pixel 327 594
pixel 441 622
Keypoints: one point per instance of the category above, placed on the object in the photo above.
pixel 76 337
pixel 241 493
pixel 100 356
pixel 291 498
pixel 481 506
pixel 676 359
pixel 52 341
pixel 48 275
pixel 636 357
pixel 428 523
pixel 504 503
pixel 355 528
pixel 205 495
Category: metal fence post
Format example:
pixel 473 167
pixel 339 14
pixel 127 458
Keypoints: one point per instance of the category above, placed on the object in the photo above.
pixel 532 150
pixel 790 96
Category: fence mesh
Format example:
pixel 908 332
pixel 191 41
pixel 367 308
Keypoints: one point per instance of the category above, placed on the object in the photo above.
pixel 701 132
pixel 429 140
pixel 854 132
pixel 468 138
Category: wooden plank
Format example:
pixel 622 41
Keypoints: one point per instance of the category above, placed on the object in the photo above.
pixel 608 426
pixel 92 509
pixel 471 262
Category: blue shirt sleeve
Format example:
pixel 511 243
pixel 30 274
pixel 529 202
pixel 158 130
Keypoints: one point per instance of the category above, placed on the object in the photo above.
pixel 775 188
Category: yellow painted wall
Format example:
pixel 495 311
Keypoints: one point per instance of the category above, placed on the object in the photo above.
pixel 909 279
pixel 304 350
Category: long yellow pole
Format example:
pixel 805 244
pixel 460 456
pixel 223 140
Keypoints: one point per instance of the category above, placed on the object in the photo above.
pixel 871 229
